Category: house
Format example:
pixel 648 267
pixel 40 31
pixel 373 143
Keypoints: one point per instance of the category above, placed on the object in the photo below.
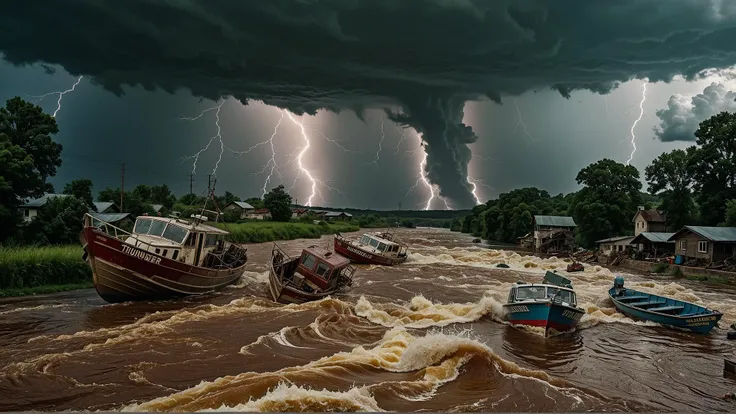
pixel 338 215
pixel 106 207
pixel 116 219
pixel 260 214
pixel 526 241
pixel 29 210
pixel 299 212
pixel 554 233
pixel 614 244
pixel 157 207
pixel 241 206
pixel 653 243
pixel 649 221
pixel 706 244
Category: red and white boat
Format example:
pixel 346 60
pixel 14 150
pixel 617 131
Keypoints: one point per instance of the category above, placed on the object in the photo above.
pixel 162 258
pixel 314 275
pixel 372 248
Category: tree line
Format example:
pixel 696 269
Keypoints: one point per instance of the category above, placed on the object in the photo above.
pixel 695 186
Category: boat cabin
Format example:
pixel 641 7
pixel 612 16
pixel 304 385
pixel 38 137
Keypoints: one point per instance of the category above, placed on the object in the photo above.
pixel 537 292
pixel 318 268
pixel 177 239
pixel 376 244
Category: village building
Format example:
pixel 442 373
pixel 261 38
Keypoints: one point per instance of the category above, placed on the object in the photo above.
pixel 299 212
pixel 259 214
pixel 526 241
pixel 654 244
pixel 705 244
pixel 614 245
pixel 651 221
pixel 338 216
pixel 554 234
pixel 240 206
pixel 106 207
pixel 29 210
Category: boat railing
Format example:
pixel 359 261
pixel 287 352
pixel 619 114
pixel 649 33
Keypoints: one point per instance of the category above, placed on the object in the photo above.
pixel 117 232
pixel 278 255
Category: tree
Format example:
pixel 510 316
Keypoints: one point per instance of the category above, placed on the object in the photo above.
pixel 28 156
pixel 255 202
pixel 712 165
pixel 143 192
pixel 668 176
pixel 607 202
pixel 278 203
pixel 730 219
pixel 230 197
pixel 59 221
pixel 82 189
pixel 160 194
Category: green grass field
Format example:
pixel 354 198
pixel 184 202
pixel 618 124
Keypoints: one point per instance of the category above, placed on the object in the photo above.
pixel 265 231
pixel 24 269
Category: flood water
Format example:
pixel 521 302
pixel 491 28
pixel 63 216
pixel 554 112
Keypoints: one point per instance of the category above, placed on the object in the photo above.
pixel 423 336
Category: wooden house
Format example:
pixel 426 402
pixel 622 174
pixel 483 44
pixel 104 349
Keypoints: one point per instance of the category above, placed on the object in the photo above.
pixel 260 214
pixel 614 245
pixel 706 244
pixel 651 221
pixel 554 234
pixel 655 244
pixel 240 206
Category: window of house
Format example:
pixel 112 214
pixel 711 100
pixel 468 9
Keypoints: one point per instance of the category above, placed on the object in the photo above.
pixel 702 246
pixel 323 270
pixel 27 212
pixel 308 261
pixel 683 244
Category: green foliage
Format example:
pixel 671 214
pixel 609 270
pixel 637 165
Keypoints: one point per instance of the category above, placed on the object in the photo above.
pixel 132 201
pixel 730 216
pixel 59 221
pixel 231 216
pixel 227 199
pixel 33 266
pixel 264 231
pixel 712 165
pixel 82 189
pixel 28 156
pixel 668 176
pixel 256 202
pixel 606 204
pixel 277 201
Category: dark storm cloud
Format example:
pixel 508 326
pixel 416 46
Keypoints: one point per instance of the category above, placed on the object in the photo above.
pixel 683 114
pixel 350 54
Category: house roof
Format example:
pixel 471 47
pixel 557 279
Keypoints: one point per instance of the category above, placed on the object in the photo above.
pixel 109 217
pixel 615 239
pixel 102 205
pixel 651 216
pixel 653 237
pixel 262 211
pixel 38 202
pixel 157 207
pixel 716 234
pixel 555 221
pixel 299 210
pixel 337 214
pixel 243 205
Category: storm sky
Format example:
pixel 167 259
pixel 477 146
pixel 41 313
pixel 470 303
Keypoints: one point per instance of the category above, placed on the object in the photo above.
pixel 461 73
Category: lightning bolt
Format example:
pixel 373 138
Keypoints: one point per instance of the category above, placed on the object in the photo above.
pixel 423 179
pixel 272 161
pixel 61 96
pixel 401 138
pixel 217 136
pixel 302 169
pixel 521 122
pixel 380 145
pixel 333 141
pixel 641 114
pixel 475 187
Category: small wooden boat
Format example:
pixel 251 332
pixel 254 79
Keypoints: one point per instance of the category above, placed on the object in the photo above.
pixel 669 312
pixel 314 275
pixel 162 258
pixel 575 267
pixel 372 248
pixel 551 304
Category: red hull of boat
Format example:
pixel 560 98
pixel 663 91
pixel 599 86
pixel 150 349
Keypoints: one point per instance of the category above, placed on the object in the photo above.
pixel 122 272
pixel 286 294
pixel 357 255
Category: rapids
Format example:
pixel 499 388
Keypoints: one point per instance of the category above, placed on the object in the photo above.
pixel 425 335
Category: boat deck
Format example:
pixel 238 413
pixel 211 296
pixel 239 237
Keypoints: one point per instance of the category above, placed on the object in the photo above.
pixel 659 304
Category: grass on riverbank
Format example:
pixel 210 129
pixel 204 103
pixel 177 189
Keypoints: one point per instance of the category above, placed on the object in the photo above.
pixel 266 231
pixel 53 267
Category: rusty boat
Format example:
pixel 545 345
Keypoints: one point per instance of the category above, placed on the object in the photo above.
pixel 315 274
pixel 379 248
pixel 162 258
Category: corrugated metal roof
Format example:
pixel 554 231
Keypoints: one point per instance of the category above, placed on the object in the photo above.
pixel 717 234
pixel 102 205
pixel 555 221
pixel 615 239
pixel 243 205
pixel 109 217
pixel 657 237
pixel 157 207
pixel 38 202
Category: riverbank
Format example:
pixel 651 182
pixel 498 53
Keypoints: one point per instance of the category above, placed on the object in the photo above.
pixel 32 270
pixel 678 271
pixel 266 231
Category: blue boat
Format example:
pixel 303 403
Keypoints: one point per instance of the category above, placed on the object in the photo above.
pixel 671 313
pixel 549 305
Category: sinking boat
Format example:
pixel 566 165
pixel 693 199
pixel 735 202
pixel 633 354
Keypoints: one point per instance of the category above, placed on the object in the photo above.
pixel 549 305
pixel 575 267
pixel 379 248
pixel 672 313
pixel 162 258
pixel 315 274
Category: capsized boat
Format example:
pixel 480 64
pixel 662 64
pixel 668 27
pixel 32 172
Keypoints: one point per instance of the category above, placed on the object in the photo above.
pixel 672 313
pixel 575 267
pixel 314 275
pixel 549 305
pixel 162 258
pixel 380 248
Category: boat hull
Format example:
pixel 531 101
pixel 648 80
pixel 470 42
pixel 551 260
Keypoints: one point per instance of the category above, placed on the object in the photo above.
pixel 701 323
pixel 281 292
pixel 544 315
pixel 122 272
pixel 358 255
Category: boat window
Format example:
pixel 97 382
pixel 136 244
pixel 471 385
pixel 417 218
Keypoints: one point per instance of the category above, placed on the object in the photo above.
pixel 157 228
pixel 374 243
pixel 365 240
pixel 323 270
pixel 192 239
pixel 175 254
pixel 175 233
pixel 211 240
pixel 381 247
pixel 562 295
pixel 166 251
pixel 142 226
pixel 530 292
pixel 512 297
pixel 308 261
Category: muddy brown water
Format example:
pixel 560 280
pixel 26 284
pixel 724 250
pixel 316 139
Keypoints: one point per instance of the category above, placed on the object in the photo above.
pixel 423 336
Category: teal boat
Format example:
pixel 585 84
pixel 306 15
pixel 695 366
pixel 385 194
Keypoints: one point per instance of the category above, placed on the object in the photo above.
pixel 671 313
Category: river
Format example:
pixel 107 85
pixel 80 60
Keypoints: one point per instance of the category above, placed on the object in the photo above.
pixel 426 335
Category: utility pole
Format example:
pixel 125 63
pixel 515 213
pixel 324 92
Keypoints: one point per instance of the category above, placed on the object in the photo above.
pixel 122 186
pixel 191 180
pixel 399 205
pixel 209 183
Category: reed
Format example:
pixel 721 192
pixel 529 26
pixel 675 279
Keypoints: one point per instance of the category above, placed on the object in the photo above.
pixel 266 231
pixel 28 267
